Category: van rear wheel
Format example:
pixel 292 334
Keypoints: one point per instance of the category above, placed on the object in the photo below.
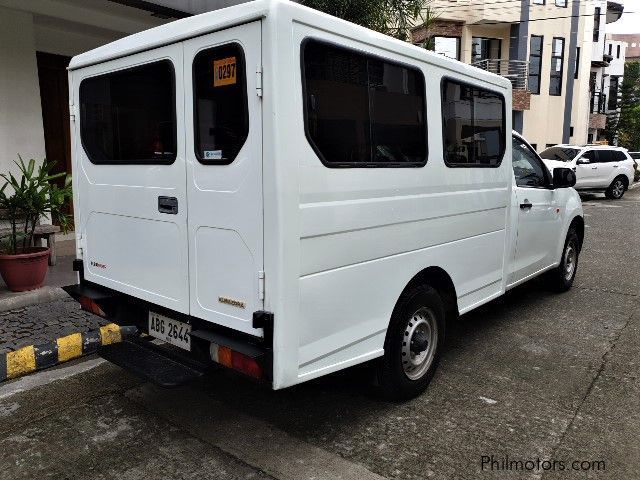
pixel 413 344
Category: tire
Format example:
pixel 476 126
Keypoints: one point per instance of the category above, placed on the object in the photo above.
pixel 561 278
pixel 407 367
pixel 616 189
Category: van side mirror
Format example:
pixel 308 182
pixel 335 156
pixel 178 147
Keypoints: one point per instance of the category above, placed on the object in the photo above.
pixel 583 161
pixel 563 178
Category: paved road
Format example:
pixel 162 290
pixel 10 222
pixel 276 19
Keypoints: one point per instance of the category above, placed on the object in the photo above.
pixel 531 376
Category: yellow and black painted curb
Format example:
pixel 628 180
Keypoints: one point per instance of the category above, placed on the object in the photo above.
pixel 37 357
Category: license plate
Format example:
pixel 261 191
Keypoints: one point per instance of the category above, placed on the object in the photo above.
pixel 170 330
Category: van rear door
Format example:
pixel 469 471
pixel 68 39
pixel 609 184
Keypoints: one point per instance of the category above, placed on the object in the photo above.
pixel 130 175
pixel 224 175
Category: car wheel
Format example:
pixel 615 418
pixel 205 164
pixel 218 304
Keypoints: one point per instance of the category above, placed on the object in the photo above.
pixel 413 344
pixel 616 189
pixel 561 278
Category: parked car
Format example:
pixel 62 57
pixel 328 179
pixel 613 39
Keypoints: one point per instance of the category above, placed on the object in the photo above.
pixel 292 222
pixel 598 168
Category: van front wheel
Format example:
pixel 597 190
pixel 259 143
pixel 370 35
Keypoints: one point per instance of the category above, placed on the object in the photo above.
pixel 413 344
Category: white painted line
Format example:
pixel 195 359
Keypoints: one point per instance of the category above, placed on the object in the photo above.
pixel 249 439
pixel 45 377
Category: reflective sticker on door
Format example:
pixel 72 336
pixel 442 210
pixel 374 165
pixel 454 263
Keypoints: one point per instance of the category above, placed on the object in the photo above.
pixel 213 154
pixel 224 72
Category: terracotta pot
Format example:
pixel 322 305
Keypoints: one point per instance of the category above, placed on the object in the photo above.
pixel 25 271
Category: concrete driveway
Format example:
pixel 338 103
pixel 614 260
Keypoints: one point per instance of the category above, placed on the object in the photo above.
pixel 534 385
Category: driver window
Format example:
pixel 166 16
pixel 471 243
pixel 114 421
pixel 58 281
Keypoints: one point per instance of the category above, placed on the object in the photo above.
pixel 528 170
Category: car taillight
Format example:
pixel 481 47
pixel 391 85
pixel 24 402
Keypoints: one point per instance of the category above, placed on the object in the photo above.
pixel 236 361
pixel 90 306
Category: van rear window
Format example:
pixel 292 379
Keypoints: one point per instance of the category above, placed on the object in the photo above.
pixel 473 121
pixel 129 116
pixel 221 108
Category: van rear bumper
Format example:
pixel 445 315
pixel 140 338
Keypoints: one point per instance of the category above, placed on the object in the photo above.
pixel 246 354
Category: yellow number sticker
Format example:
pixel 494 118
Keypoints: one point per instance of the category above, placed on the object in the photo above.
pixel 224 72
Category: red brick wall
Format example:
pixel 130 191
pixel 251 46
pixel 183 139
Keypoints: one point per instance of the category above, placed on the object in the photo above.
pixel 521 100
pixel 438 29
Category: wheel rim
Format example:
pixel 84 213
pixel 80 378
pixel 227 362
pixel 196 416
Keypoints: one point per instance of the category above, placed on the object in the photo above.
pixel 570 261
pixel 419 343
pixel 618 188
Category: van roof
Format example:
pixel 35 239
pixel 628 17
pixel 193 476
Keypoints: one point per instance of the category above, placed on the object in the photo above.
pixel 174 32
pixel 216 20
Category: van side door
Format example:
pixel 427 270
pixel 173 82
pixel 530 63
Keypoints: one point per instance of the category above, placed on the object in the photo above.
pixel 538 221
pixel 224 175
pixel 129 175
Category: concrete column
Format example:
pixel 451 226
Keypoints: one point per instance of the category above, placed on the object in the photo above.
pixel 21 129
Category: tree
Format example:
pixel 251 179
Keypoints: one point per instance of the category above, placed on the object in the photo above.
pixel 391 17
pixel 624 125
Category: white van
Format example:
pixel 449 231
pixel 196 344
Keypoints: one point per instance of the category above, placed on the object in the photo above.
pixel 288 194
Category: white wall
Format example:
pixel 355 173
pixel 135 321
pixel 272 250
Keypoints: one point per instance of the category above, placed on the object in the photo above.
pixel 20 112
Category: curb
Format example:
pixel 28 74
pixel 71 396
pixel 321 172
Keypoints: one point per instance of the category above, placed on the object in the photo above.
pixel 37 357
pixel 35 297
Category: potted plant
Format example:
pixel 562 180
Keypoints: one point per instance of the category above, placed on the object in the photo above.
pixel 24 200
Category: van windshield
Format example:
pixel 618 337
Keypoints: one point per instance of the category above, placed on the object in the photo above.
pixel 562 154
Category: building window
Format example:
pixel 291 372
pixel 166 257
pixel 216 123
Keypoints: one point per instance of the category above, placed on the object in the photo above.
pixel 473 120
pixel 596 24
pixel 534 146
pixel 539 2
pixel 561 3
pixel 485 49
pixel 535 63
pixel 557 61
pixel 362 111
pixel 129 116
pixel 618 51
pixel 571 131
pixel 220 104
pixel 447 46
pixel 577 65
pixel 610 49
pixel 613 92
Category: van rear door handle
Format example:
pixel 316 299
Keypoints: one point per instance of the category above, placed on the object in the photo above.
pixel 526 205
pixel 168 205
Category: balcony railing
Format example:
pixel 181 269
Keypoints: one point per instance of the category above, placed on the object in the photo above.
pixel 517 71
pixel 598 102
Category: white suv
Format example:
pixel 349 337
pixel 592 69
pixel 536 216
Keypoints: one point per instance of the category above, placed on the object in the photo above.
pixel 598 168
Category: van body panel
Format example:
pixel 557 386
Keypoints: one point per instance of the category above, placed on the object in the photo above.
pixel 384 225
pixel 122 232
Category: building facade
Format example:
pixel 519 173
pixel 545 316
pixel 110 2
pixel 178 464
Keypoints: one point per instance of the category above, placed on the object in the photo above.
pixel 549 49
pixel 632 43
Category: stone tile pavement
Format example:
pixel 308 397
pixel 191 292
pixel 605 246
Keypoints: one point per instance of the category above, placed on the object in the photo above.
pixel 42 323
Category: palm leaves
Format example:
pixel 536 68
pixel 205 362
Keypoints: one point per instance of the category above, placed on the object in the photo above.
pixel 30 196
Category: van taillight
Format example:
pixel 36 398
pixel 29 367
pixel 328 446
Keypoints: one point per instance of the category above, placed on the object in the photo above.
pixel 236 361
pixel 90 306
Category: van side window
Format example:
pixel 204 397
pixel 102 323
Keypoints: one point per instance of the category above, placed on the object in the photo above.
pixel 362 111
pixel 473 122
pixel 220 104
pixel 129 116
